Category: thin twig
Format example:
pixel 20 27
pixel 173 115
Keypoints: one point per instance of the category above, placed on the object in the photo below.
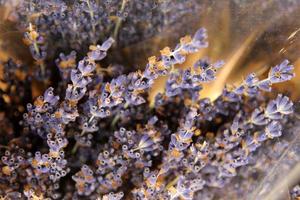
pixel 119 20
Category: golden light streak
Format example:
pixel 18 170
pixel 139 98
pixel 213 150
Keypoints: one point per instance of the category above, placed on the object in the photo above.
pixel 214 89
pixel 293 34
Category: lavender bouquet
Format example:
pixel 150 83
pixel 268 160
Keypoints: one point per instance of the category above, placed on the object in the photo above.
pixel 94 133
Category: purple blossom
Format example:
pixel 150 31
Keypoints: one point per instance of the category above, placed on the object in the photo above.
pixel 274 129
pixel 281 72
pixel 95 133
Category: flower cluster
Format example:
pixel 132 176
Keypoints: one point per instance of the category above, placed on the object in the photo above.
pixel 48 118
pixel 191 79
pixel 37 47
pixel 77 24
pixel 85 181
pixel 96 135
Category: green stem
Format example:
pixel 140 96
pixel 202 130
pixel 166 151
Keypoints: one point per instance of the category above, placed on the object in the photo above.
pixel 90 120
pixel 117 117
pixel 119 20
pixel 92 17
pixel 173 182
pixel 115 120
pixel 42 65
pixel 75 148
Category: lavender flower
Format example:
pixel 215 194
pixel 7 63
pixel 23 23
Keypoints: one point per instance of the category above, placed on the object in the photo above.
pixel 94 135
pixel 281 72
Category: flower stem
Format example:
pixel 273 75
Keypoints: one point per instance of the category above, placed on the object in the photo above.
pixel 119 20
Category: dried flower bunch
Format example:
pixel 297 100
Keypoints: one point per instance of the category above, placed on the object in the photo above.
pixel 95 135
pixel 76 24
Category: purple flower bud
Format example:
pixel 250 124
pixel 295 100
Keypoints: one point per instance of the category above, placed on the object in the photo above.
pixel 284 105
pixel 258 117
pixel 49 97
pixel 265 85
pixel 178 144
pixel 75 94
pixel 199 38
pixel 145 143
pixel 78 80
pixel 281 72
pixel 251 80
pixel 272 111
pixel 274 129
pixel 107 44
pixel 86 68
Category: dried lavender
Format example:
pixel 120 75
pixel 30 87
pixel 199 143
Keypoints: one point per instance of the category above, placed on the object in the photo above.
pixel 96 136
pixel 77 24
